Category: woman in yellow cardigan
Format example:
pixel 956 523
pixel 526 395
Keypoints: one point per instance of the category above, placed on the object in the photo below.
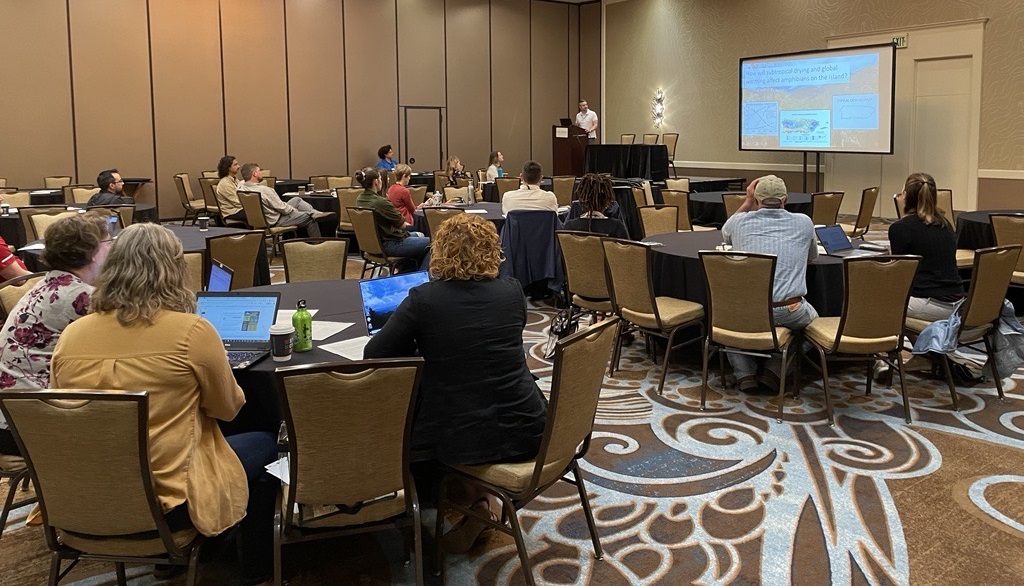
pixel 143 334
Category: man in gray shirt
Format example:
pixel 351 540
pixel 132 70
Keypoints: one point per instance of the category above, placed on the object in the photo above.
pixel 763 225
pixel 297 212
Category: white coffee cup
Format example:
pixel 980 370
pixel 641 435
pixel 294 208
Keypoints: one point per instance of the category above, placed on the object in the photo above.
pixel 281 337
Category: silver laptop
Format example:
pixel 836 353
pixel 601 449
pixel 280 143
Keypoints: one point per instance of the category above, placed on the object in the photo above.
pixel 381 297
pixel 836 243
pixel 243 320
pixel 220 277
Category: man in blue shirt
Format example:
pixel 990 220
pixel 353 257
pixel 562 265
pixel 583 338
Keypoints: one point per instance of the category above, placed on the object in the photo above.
pixel 386 163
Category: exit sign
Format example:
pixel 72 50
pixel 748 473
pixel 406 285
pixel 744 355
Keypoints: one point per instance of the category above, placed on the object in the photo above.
pixel 900 41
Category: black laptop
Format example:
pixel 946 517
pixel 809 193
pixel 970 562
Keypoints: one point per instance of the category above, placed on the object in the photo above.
pixel 836 243
pixel 243 320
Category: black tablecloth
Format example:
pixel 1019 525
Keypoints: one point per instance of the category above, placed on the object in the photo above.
pixel 146 212
pixel 420 179
pixel 647 161
pixel 707 209
pixel 492 213
pixel 974 230
pixel 283 186
pixel 678 272
pixel 334 301
pixel 51 197
pixel 716 183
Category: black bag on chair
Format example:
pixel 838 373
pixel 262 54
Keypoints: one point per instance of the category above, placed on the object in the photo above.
pixel 564 323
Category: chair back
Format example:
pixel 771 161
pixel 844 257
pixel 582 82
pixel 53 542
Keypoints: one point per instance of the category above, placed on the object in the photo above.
pixel 670 139
pixel 314 259
pixel 252 203
pixel 658 219
pixel 440 180
pixel 68 192
pixel 993 268
pixel 267 173
pixel 506 184
pixel 181 182
pixel 12 290
pixel 681 201
pixel 456 193
pixel 739 289
pixel 210 174
pixel 1009 229
pixel 437 216
pixel 732 200
pixel 583 257
pixel 579 365
pixel 896 203
pixel 339 181
pixel 18 199
pixel 462 182
pixel 531 248
pixel 269 180
pixel 825 207
pixel 650 139
pixel 28 212
pixel 239 251
pixel 349 441
pixel 347 197
pixel 868 199
pixel 418 194
pixel 125 214
pixel 481 176
pixel 629 282
pixel 194 271
pixel 681 184
pixel 40 222
pixel 639 197
pixel 365 226
pixel 563 186
pixel 875 303
pixel 208 185
pixel 3 182
pixel 319 182
pixel 944 202
pixel 112 494
pixel 627 138
pixel 56 181
pixel 82 195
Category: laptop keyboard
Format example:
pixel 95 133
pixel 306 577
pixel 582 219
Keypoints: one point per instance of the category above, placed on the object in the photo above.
pixel 237 356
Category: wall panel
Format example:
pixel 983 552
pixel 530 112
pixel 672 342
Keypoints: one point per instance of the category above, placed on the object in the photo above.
pixel 255 85
pixel 371 65
pixel 35 108
pixel 113 106
pixel 573 69
pixel 421 52
pixel 510 81
pixel 549 23
pixel 469 91
pixel 187 101
pixel 316 82
pixel 590 62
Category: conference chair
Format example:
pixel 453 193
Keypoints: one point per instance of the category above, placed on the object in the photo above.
pixel 88 456
pixel 269 180
pixel 456 194
pixel 195 271
pixel 944 201
pixel 531 251
pixel 899 208
pixel 267 173
pixel 348 452
pixel 732 200
pixel 125 213
pixel 338 181
pixel 440 180
pixel 15 471
pixel 255 215
pixel 670 140
pixel 825 207
pixel 576 382
pixel 12 290
pixel 650 139
pixel 1009 230
pixel 368 238
pixel 18 199
pixel 238 250
pixel 563 186
pixel 56 181
pixel 208 186
pixel 656 219
pixel 40 222
pixel 740 317
pixel 211 174
pixel 860 227
pixel 27 212
pixel 68 192
pixel 436 216
pixel 418 194
pixel 640 197
pixel 461 182
pixel 634 300
pixel 190 205
pixel 681 200
pixel 3 182
pixel 347 197
pixel 586 283
pixel 481 176
pixel 680 184
pixel 319 182
pixel 627 139
pixel 314 259
pixel 990 279
pixel 506 184
pixel 82 195
pixel 870 327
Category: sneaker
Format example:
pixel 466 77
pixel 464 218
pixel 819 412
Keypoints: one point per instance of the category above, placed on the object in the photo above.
pixel 323 215
pixel 881 372
pixel 747 384
pixel 769 380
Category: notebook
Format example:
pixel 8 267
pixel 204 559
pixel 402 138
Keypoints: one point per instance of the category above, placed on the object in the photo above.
pixel 381 297
pixel 220 279
pixel 836 243
pixel 243 320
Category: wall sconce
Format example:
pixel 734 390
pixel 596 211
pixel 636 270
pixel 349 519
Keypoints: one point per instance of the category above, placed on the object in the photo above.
pixel 658 108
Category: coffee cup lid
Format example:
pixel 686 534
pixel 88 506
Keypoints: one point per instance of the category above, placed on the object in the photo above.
pixel 282 329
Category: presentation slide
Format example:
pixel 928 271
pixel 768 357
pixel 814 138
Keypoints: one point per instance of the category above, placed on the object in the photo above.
pixel 838 100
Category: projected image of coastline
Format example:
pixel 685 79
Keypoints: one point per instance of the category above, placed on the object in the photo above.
pixel 827 101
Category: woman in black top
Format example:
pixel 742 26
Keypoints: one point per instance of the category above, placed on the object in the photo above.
pixel 596 194
pixel 924 230
pixel 478 402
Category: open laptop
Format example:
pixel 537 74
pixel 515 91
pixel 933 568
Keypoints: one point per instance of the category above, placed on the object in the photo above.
pixel 836 243
pixel 381 297
pixel 565 121
pixel 243 320
pixel 220 279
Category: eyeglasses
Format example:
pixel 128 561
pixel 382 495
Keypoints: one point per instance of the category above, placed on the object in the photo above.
pixel 119 181
pixel 107 240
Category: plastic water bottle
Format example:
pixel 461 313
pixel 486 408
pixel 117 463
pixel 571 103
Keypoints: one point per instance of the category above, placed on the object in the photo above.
pixel 303 322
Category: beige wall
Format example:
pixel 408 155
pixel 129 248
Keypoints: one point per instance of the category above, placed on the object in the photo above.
pixel 692 50
pixel 303 87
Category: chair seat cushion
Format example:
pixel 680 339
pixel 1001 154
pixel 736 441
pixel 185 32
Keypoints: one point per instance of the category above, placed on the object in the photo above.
pixel 282 229
pixel 592 304
pixel 964 258
pixel 514 477
pixel 824 330
pixel 751 340
pixel 697 228
pixel 370 513
pixel 128 545
pixel 674 312
pixel 1017 278
pixel 10 463
pixel 916 326
pixel 197 204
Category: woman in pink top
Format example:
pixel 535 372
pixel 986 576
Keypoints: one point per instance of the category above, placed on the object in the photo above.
pixel 398 193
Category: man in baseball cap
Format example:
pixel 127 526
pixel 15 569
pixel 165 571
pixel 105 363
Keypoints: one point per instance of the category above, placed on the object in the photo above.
pixel 763 225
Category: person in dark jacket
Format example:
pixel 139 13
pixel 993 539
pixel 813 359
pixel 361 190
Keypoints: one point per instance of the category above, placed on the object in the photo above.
pixel 111 191
pixel 596 196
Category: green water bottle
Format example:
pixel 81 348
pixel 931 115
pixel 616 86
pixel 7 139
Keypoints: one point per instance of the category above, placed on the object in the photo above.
pixel 303 322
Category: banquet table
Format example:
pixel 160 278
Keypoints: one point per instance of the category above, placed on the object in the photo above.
pixel 283 186
pixel 12 229
pixel 701 183
pixel 491 211
pixel 646 161
pixel 974 229
pixel 707 209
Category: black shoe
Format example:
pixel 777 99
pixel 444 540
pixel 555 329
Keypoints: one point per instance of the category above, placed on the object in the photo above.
pixel 168 571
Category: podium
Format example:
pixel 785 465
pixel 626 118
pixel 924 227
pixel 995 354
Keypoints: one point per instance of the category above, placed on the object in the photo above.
pixel 568 145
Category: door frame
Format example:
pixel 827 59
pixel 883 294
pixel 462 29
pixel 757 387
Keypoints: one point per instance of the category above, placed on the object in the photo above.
pixel 442 135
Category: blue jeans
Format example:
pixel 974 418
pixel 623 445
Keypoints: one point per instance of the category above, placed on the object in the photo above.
pixel 255 450
pixel 414 247
pixel 797 319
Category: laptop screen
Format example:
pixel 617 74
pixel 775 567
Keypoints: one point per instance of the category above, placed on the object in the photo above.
pixel 239 317
pixel 381 297
pixel 833 238
pixel 220 277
